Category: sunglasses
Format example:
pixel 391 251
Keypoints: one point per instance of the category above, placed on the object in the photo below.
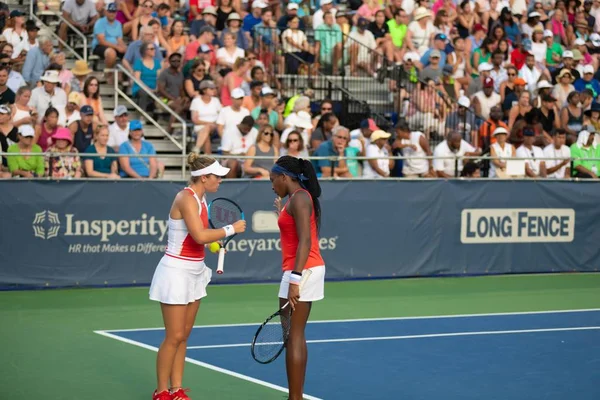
pixel 293 140
pixel 326 109
pixel 267 133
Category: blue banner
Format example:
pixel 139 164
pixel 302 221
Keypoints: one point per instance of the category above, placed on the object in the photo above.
pixel 72 233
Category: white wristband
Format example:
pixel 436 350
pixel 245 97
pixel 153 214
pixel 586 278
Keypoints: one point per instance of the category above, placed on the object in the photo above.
pixel 295 279
pixel 229 230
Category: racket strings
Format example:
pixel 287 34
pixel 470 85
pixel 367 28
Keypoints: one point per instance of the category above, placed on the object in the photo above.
pixel 223 213
pixel 272 338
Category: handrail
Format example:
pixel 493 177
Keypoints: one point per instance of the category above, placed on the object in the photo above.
pixel 345 92
pixel 118 91
pixel 55 35
pixel 311 158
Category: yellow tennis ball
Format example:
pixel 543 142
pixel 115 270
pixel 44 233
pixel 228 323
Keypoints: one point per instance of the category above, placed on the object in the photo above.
pixel 214 247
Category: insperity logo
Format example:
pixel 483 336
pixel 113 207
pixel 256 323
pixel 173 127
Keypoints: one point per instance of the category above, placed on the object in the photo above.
pixel 46 224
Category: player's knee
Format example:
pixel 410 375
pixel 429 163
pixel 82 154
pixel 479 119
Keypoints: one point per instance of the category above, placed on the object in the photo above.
pixel 177 337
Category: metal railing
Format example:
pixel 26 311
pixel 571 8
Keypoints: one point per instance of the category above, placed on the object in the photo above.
pixel 118 92
pixel 351 110
pixel 55 35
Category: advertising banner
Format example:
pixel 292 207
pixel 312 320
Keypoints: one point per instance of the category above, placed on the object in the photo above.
pixel 114 233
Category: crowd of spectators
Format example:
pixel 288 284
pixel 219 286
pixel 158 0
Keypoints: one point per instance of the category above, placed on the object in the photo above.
pixel 510 79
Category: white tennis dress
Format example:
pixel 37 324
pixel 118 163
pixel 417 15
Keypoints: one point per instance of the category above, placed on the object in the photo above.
pixel 181 276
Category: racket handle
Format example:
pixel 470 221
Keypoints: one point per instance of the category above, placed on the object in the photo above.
pixel 221 260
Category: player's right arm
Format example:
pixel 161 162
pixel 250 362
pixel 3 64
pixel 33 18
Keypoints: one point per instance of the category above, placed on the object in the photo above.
pixel 188 208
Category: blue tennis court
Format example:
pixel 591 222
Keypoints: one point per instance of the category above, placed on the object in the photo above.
pixel 541 355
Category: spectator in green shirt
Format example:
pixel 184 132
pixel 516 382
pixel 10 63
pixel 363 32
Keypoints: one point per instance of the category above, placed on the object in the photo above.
pixel 554 50
pixel 585 148
pixel 26 166
pixel 329 38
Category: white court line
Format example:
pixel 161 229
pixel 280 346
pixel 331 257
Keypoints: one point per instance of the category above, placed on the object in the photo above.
pixel 331 321
pixel 206 365
pixel 431 335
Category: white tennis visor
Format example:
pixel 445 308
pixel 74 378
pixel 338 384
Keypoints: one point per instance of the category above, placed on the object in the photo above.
pixel 214 169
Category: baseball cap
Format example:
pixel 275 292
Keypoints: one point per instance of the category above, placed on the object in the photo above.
pixel 4 109
pixel 292 6
pixel 500 131
pixel 26 131
pixel 369 123
pixel 447 70
pixel 478 27
pixel 595 39
pixel 488 82
pixel 411 56
pixel 120 110
pixel 262 4
pixel 484 66
pixel 464 101
pixel 567 54
pixel 237 93
pixel 435 53
pixel 207 84
pixel 520 82
pixel 325 2
pixel 548 33
pixel 588 69
pixel 135 125
pixel 204 49
pixel 266 91
pixel 580 42
pixel 528 132
pixel 440 36
pixel 379 134
pixel 207 29
pixel 548 98
pixel 209 10
pixel 16 13
pixel 86 110
pixel 111 7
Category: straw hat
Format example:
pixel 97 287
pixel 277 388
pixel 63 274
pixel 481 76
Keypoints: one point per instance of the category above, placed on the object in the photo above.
pixel 81 68
pixel 564 72
pixel 421 13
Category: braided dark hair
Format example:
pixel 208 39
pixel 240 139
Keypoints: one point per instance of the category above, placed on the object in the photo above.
pixel 300 166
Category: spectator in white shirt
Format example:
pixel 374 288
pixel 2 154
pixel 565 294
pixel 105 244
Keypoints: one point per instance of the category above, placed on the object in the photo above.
pixel 448 162
pixel 48 94
pixel 415 147
pixel 31 41
pixel 15 79
pixel 326 5
pixel 70 113
pixel 236 140
pixel 118 131
pixel 484 100
pixel 361 44
pixel 234 114
pixel 205 111
pixel 559 169
pixel 81 14
pixel 532 73
pixel 499 151
pixel 380 165
pixel 534 165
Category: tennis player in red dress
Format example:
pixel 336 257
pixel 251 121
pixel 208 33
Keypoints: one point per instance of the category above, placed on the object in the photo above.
pixel 299 221
pixel 181 277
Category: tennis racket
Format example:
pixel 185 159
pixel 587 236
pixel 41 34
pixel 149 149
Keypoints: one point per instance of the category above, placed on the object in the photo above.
pixel 223 212
pixel 272 336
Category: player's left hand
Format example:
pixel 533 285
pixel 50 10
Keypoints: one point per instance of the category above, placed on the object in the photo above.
pixel 293 295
